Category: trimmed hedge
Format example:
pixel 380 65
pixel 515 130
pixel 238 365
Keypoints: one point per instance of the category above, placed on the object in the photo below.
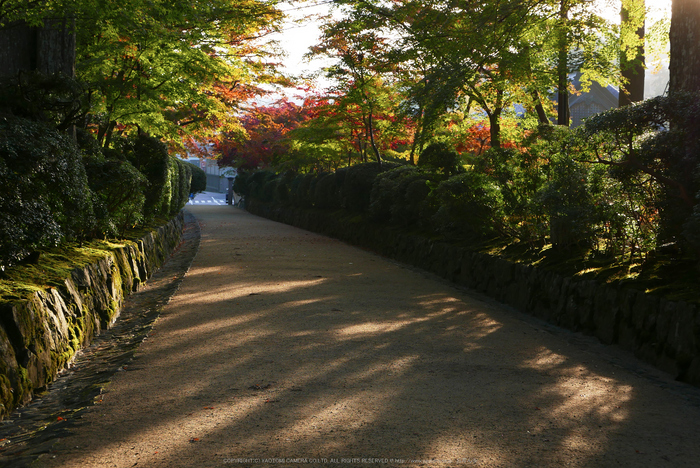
pixel 199 179
pixel 44 195
pixel 57 189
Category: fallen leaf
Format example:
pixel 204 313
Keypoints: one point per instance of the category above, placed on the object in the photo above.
pixel 60 419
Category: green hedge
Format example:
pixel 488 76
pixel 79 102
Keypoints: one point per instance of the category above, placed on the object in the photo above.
pixel 58 189
pixel 44 195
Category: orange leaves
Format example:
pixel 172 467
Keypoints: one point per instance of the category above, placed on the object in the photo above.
pixel 475 140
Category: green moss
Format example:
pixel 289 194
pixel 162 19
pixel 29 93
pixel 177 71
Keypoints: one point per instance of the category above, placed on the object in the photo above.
pixel 676 279
pixel 23 386
pixel 55 264
pixel 113 309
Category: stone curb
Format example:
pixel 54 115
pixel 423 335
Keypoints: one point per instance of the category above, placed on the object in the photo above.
pixel 40 336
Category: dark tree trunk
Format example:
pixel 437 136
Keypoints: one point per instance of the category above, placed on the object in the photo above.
pixel 632 69
pixel 685 46
pixel 563 115
pixel 17 49
pixel 539 109
pixel 56 47
pixel 495 133
pixel 49 49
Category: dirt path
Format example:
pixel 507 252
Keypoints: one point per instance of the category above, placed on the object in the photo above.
pixel 286 348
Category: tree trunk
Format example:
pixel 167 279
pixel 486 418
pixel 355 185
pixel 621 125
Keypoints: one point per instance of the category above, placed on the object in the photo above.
pixel 632 16
pixel 370 128
pixel 416 136
pixel 539 109
pixel 495 120
pixel 537 102
pixel 49 49
pixel 56 47
pixel 563 115
pixel 17 49
pixel 685 46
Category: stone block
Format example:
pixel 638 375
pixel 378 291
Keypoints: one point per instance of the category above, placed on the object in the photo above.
pixel 39 336
pixel 627 335
pixel 692 374
pixel 644 309
pixel 681 336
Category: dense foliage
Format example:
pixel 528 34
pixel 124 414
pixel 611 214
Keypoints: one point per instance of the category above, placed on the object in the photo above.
pixel 623 186
pixel 172 69
pixel 55 190
pixel 44 196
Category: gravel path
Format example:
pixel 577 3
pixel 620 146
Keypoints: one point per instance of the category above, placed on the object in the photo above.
pixel 286 348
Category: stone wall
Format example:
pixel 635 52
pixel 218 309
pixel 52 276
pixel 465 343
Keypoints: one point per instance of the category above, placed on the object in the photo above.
pixel 663 333
pixel 40 336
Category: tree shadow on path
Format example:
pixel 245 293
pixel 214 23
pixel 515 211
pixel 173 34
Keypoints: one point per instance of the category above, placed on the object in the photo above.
pixel 284 348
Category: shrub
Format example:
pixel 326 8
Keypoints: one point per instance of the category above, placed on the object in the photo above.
pixel 241 184
pixel 261 185
pixel 386 192
pixel 182 174
pixel 468 204
pixel 56 99
pixel 199 180
pixel 150 156
pixel 326 191
pixel 569 205
pixel 439 157
pixel 412 204
pixel 118 194
pixel 301 190
pixel 283 189
pixel 357 184
pixel 654 143
pixel 44 197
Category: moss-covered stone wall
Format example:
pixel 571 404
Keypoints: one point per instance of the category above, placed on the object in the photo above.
pixel 40 336
pixel 663 333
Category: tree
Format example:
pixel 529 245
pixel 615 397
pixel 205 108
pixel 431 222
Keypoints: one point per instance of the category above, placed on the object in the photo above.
pixel 481 51
pixel 632 15
pixel 172 69
pixel 266 141
pixel 685 46
pixel 360 74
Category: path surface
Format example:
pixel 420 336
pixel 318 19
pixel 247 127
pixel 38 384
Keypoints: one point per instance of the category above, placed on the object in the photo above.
pixel 208 198
pixel 286 345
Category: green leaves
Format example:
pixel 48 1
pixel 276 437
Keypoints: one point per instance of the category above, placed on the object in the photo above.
pixel 173 69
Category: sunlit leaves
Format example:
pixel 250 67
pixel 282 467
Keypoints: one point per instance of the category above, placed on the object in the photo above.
pixel 174 69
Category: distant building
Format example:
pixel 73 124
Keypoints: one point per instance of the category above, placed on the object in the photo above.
pixel 599 99
pixel 596 100
pixel 216 176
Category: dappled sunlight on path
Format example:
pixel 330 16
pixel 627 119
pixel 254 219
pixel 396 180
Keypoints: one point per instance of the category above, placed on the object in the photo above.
pixel 282 344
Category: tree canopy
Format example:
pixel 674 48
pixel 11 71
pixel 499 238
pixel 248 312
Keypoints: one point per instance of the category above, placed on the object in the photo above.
pixel 175 69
